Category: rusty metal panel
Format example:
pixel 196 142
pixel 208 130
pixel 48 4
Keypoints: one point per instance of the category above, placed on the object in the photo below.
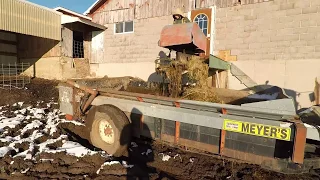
pixel 183 34
pixel 30 19
pixel 299 142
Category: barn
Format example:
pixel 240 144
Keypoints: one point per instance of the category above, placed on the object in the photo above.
pixel 36 41
pixel 267 42
pixel 28 34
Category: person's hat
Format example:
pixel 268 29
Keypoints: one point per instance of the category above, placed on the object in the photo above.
pixel 178 11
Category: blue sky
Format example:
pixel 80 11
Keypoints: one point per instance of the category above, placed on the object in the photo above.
pixel 79 6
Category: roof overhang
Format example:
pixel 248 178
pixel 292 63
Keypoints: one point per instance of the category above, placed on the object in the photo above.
pixel 69 20
pixel 92 6
pixel 62 9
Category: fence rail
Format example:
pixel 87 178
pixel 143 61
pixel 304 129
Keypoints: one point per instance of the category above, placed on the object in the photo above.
pixel 11 75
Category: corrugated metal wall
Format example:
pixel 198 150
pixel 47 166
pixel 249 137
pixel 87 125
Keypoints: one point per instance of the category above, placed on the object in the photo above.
pixel 25 18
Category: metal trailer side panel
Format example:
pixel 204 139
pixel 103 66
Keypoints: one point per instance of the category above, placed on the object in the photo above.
pixel 190 116
pixel 204 127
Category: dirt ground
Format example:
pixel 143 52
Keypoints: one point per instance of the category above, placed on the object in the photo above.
pixel 154 160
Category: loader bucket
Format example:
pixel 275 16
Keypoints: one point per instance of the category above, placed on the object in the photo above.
pixel 181 37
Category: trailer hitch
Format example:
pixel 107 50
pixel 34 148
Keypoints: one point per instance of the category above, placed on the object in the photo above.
pixel 93 94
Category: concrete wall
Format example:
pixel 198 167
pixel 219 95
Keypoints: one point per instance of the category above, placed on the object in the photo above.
pixel 275 42
pixel 131 54
pixel 45 58
pixel 51 68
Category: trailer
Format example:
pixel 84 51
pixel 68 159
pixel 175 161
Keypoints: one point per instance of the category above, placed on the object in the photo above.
pixel 269 133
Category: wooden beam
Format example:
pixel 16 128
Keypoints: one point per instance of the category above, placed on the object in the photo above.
pixel 226 55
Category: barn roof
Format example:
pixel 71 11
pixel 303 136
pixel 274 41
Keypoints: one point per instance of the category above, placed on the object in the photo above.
pixel 70 12
pixel 94 6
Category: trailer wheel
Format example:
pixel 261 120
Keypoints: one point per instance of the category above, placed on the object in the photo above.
pixel 109 129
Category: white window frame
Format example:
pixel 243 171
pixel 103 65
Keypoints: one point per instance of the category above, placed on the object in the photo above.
pixel 207 28
pixel 115 25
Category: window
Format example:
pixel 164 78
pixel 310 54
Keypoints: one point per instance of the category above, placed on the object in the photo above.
pixel 78 45
pixel 202 21
pixel 124 27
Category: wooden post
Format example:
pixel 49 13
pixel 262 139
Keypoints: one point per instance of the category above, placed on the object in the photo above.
pixel 317 92
pixel 218 79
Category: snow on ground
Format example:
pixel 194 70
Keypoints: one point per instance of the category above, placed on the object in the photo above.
pixel 32 123
pixel 107 164
pixel 40 121
pixel 74 149
pixel 165 157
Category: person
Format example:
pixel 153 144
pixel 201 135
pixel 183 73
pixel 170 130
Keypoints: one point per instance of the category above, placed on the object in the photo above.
pixel 178 17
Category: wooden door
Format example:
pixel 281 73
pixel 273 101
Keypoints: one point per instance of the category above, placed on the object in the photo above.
pixel 203 18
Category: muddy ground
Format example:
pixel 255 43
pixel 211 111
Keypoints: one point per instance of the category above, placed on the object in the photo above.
pixel 153 160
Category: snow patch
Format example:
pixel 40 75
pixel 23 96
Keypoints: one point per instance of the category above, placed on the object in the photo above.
pixel 73 149
pixel 39 116
pixel 24 171
pixel 177 155
pixel 126 165
pixel 165 157
pixel 107 164
pixel 73 122
pixel 33 124
pixel 10 122
pixel 46 160
pixel 4 151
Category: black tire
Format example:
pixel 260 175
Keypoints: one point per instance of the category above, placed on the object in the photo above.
pixel 120 126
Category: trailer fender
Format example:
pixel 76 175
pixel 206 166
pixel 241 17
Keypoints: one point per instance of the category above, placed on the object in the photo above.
pixel 109 129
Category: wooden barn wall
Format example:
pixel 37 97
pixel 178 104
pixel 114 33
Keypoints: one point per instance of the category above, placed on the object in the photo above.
pixel 126 10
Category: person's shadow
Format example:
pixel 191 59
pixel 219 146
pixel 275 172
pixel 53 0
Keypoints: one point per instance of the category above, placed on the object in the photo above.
pixel 139 151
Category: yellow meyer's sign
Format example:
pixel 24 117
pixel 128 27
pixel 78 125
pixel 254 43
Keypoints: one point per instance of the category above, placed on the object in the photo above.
pixel 273 132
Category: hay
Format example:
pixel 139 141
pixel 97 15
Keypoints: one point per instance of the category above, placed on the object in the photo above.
pixel 174 75
pixel 198 72
pixel 204 93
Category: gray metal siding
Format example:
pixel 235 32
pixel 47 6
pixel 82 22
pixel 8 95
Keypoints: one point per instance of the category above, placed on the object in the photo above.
pixel 26 18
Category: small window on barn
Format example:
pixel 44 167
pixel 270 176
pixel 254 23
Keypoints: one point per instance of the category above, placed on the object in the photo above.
pixel 78 51
pixel 124 27
pixel 202 21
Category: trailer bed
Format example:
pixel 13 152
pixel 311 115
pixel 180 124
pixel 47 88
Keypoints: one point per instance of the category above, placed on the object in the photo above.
pixel 268 133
